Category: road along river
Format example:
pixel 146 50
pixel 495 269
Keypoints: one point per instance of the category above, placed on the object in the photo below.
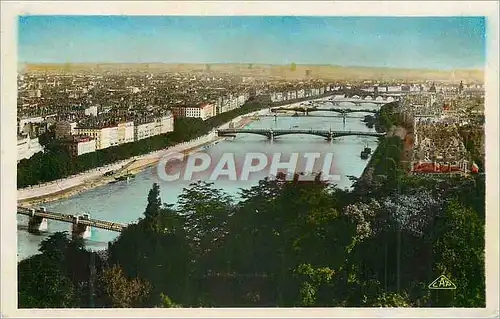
pixel 125 202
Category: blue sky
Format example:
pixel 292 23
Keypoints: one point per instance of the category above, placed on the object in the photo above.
pixel 409 42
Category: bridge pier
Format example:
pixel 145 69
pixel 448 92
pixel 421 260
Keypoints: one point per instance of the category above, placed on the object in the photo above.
pixel 330 137
pixel 36 223
pixel 270 136
pixel 80 230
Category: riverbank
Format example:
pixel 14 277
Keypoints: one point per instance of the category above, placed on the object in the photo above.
pixel 406 138
pixel 136 166
pixel 73 185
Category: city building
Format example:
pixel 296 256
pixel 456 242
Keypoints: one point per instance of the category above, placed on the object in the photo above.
pixel 79 145
pixel 34 93
pixel 164 124
pixel 105 135
pixel 91 111
pixel 126 132
pixel 63 129
pixel 22 122
pixel 144 129
pixel 203 111
pixel 27 147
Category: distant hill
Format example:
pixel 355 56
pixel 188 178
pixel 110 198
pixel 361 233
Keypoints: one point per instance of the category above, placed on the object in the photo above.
pixel 299 71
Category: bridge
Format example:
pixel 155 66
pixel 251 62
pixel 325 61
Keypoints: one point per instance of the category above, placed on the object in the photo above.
pixel 271 134
pixel 355 101
pixel 379 95
pixel 284 114
pixel 81 223
pixel 315 109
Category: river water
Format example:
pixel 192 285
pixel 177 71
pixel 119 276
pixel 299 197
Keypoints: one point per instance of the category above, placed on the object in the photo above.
pixel 125 202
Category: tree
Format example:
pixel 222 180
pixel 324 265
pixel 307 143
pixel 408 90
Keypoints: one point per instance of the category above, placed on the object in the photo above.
pixel 293 66
pixel 205 211
pixel 55 246
pixel 313 279
pixel 155 250
pixel 362 214
pixel 459 254
pixel 154 203
pixel 166 302
pixel 69 259
pixel 122 292
pixel 390 300
pixel 278 226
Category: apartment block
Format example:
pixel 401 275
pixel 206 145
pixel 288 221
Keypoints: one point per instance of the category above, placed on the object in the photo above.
pixel 126 132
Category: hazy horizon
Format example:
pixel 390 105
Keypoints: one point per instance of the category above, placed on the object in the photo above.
pixel 481 68
pixel 428 43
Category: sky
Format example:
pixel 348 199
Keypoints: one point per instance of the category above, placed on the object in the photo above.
pixel 401 42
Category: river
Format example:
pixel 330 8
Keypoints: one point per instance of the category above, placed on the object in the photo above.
pixel 125 202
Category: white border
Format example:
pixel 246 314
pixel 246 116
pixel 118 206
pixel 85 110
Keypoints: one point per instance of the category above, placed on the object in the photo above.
pixel 400 8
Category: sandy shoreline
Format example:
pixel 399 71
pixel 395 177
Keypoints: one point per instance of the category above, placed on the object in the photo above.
pixel 75 184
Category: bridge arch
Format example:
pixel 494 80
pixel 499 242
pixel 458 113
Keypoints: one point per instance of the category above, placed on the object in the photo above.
pixel 380 98
pixel 343 134
pixel 265 134
pixel 355 97
pixel 320 134
pixel 369 98
pixel 390 99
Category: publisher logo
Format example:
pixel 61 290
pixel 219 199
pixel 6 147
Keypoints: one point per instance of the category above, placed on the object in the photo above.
pixel 442 282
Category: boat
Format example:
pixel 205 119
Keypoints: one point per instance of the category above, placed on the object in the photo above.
pixel 366 152
pixel 364 155
pixel 125 177
pixel 295 126
pixel 109 173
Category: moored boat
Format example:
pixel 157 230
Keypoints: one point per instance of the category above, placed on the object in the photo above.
pixel 364 154
pixel 125 177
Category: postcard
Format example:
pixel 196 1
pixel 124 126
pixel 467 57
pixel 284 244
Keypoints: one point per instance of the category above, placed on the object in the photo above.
pixel 250 159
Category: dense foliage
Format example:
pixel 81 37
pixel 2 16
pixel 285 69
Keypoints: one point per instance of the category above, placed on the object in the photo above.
pixel 473 137
pixel 387 117
pixel 284 244
pixel 56 162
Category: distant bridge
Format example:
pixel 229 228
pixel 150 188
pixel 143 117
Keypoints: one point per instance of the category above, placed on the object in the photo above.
pixel 355 101
pixel 271 134
pixel 307 110
pixel 81 223
pixel 367 95
pixel 284 114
